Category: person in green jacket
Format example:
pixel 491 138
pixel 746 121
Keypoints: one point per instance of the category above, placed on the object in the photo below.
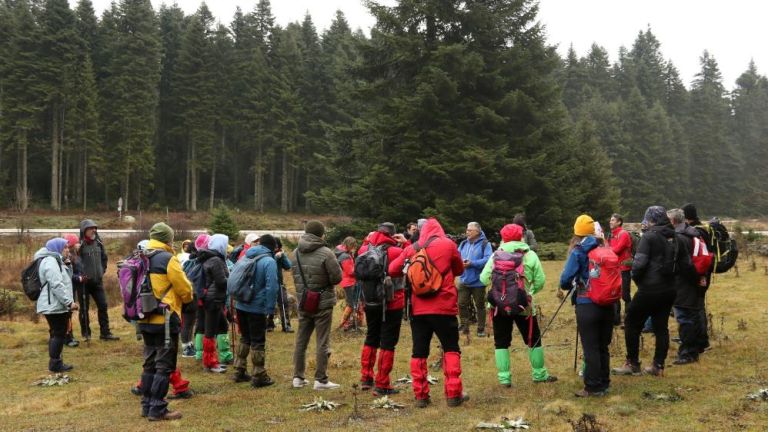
pixel 511 236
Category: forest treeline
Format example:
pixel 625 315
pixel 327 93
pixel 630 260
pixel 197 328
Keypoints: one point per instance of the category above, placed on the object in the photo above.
pixel 459 109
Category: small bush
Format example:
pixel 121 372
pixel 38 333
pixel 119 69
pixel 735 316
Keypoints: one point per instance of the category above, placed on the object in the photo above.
pixel 223 223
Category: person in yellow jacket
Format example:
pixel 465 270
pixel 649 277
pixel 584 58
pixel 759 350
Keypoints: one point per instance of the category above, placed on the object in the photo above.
pixel 160 329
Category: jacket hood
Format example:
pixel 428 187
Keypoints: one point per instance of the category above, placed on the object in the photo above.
pixel 431 228
pixel 204 255
pixel 377 238
pixel 44 252
pixel 686 230
pixel 84 225
pixel 515 245
pixel 588 243
pixel 664 230
pixel 158 245
pixel 218 243
pixel 309 242
pixel 342 248
pixel 257 250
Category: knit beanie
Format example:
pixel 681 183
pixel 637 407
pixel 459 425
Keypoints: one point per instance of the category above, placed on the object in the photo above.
pixel 511 232
pixel 387 228
pixel 268 241
pixel 161 232
pixel 689 210
pixel 201 242
pixel 315 227
pixel 142 245
pixel 56 245
pixel 584 226
pixel 71 240
pixel 656 215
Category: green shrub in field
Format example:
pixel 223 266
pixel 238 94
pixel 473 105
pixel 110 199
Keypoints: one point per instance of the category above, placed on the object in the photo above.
pixel 222 222
pixel 357 228
pixel 552 251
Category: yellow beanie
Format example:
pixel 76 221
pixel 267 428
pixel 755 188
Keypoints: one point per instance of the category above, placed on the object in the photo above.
pixel 584 226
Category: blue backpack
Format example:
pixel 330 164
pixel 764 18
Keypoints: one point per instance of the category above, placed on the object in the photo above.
pixel 240 281
pixel 196 275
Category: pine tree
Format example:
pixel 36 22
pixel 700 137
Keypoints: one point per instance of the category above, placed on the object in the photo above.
pixel 223 223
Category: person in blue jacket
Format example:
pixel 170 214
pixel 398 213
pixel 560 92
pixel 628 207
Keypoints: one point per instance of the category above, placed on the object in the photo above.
pixel 475 251
pixel 594 323
pixel 252 316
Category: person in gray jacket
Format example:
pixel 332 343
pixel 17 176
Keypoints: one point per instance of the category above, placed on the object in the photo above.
pixel 315 270
pixel 56 300
pixel 528 236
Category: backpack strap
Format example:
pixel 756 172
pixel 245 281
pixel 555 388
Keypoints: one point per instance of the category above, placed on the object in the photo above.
pixel 301 272
pixel 418 247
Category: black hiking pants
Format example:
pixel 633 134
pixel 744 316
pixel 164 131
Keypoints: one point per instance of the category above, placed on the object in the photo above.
pixel 595 325
pixel 657 306
pixel 383 328
pixel 96 291
pixel 159 363
pixel 57 330
pixel 446 327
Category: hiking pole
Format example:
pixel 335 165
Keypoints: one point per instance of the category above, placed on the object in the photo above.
pixel 232 323
pixel 551 320
pixel 576 350
pixel 284 318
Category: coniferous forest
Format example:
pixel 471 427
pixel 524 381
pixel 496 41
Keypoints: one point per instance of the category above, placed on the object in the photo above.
pixel 460 109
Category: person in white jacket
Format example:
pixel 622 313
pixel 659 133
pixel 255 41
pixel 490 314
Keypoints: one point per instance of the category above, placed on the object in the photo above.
pixel 56 300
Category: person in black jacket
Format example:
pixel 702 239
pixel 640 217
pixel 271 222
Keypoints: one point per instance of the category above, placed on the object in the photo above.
pixel 653 272
pixel 692 219
pixel 216 274
pixel 690 297
pixel 93 261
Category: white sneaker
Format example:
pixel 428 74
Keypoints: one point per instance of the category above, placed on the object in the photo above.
pixel 217 369
pixel 325 386
pixel 299 382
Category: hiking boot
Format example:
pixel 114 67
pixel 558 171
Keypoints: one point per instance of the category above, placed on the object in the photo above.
pixel 136 391
pixel 262 382
pixel 287 329
pixel 240 376
pixel 270 329
pixel 169 415
pixel 366 385
pixel 684 360
pixel 457 401
pixel 62 368
pixel 377 391
pixel 73 343
pixel 549 379
pixel 325 386
pixel 181 395
pixel 676 340
pixel 628 369
pixel 422 403
pixel 654 370
pixel 216 369
pixel 586 393
pixel 464 329
pixel 111 337
pixel 299 382
pixel 705 349
pixel 189 350
pixel 481 333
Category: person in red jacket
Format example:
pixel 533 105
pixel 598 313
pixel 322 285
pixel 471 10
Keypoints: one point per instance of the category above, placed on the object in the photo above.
pixel 435 314
pixel 345 254
pixel 383 327
pixel 621 245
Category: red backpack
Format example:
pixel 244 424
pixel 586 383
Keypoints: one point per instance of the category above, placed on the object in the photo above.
pixel 701 257
pixel 604 287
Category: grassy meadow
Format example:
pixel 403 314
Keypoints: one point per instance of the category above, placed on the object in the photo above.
pixel 713 391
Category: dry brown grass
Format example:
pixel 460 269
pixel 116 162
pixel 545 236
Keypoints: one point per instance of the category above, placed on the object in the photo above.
pixel 714 389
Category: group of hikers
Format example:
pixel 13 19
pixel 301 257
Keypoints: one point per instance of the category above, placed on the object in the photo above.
pixel 420 276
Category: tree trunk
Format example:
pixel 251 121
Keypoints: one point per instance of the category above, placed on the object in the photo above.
pixel 126 189
pixel 193 180
pixel 54 158
pixel 22 196
pixel 60 192
pixel 187 181
pixel 285 183
pixel 213 171
pixel 85 181
pixel 258 176
pixel 307 206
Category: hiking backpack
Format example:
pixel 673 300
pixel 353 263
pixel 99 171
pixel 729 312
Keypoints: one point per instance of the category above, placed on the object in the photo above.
pixel 723 248
pixel 30 279
pixel 635 237
pixel 670 261
pixel 196 275
pixel 507 293
pixel 135 284
pixel 371 273
pixel 240 281
pixel 423 275
pixel 604 285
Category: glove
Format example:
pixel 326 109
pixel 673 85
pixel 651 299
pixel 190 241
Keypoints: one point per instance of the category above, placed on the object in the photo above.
pixel 560 294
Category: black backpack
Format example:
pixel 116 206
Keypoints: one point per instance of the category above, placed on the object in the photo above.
pixel 30 279
pixel 721 245
pixel 371 273
pixel 670 264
